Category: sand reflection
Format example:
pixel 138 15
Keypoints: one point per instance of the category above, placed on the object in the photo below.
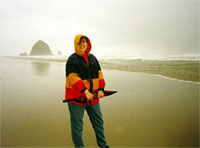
pixel 40 68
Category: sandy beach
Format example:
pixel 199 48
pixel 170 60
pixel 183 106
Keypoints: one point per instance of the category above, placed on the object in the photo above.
pixel 147 111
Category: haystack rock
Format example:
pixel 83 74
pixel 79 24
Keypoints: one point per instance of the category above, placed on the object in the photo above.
pixel 41 48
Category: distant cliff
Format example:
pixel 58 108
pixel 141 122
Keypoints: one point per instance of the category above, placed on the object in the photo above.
pixel 40 48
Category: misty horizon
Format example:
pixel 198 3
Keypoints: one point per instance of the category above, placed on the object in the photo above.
pixel 115 27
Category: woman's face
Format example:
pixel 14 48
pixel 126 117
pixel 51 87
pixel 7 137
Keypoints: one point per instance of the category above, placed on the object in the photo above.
pixel 83 45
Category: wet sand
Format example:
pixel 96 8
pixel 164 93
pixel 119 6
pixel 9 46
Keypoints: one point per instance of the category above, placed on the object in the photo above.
pixel 147 111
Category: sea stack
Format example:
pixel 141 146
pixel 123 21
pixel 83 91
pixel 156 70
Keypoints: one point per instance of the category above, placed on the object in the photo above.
pixel 40 48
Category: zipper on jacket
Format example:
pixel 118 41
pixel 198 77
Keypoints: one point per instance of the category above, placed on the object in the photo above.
pixel 89 71
pixel 90 78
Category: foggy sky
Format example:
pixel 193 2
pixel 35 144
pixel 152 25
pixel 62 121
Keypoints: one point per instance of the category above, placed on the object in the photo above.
pixel 113 26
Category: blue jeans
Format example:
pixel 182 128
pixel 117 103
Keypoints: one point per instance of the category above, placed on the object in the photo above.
pixel 76 118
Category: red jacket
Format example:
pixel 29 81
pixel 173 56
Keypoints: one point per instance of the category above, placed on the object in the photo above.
pixel 83 72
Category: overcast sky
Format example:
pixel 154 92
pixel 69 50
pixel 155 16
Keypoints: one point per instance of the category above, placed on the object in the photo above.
pixel 114 26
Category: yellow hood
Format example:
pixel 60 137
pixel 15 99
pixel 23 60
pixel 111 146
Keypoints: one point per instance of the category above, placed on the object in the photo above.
pixel 76 46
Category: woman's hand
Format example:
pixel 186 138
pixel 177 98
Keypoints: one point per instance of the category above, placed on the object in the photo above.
pixel 100 94
pixel 88 95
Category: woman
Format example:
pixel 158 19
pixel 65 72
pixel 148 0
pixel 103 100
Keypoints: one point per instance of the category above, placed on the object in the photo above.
pixel 84 76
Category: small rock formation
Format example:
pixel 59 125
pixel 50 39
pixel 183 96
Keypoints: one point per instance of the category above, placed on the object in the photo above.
pixel 59 53
pixel 40 48
pixel 23 54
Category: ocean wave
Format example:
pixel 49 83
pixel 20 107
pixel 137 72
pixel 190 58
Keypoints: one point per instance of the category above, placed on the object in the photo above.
pixel 185 57
pixel 178 57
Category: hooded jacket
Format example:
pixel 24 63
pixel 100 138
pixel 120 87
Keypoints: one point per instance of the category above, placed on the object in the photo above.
pixel 83 72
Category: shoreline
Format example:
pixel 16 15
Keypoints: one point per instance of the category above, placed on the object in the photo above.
pixel 136 65
pixel 170 78
pixel 157 75
pixel 64 59
pixel 48 59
